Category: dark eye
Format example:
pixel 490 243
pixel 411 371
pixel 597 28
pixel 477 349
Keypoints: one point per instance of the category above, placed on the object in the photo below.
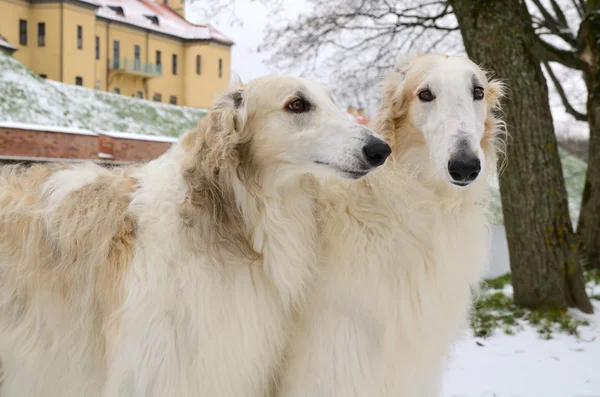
pixel 426 96
pixel 478 93
pixel 298 106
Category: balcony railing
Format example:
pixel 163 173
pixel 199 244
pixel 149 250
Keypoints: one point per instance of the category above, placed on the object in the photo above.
pixel 134 66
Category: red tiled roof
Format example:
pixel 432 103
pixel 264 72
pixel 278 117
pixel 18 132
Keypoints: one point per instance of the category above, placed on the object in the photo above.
pixel 136 13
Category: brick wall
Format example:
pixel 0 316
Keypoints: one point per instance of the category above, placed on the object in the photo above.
pixel 132 149
pixel 28 143
pixel 22 142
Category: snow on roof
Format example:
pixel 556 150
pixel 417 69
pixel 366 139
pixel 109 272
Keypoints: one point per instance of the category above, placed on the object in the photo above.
pixel 139 13
pixel 4 43
pixel 91 2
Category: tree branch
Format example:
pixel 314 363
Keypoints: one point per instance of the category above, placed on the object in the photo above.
pixel 557 25
pixel 563 96
pixel 549 53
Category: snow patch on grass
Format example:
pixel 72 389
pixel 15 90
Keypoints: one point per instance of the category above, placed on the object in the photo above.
pixel 550 354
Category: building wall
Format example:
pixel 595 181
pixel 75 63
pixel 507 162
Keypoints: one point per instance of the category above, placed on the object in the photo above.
pixel 168 84
pixel 45 60
pixel 78 62
pixel 11 11
pixel 201 89
pixel 127 83
pixel 100 65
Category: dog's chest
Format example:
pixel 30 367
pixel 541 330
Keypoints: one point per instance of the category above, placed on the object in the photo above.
pixel 222 331
pixel 409 279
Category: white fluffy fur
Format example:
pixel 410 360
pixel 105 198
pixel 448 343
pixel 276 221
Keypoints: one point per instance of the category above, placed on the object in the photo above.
pixel 80 315
pixel 402 249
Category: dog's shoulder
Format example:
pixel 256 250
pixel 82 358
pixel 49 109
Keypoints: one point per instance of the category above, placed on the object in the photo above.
pixel 68 221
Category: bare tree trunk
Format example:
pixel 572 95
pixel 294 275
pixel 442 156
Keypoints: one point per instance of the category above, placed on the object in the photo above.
pixel 588 227
pixel 543 247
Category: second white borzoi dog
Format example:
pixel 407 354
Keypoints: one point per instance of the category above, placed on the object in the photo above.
pixel 404 247
pixel 176 278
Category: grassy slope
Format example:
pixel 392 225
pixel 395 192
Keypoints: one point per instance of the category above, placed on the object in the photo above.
pixel 27 98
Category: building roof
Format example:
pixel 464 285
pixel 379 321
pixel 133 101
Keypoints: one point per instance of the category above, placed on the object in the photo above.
pixel 156 17
pixel 5 44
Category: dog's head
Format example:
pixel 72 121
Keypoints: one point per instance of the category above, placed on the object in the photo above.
pixel 292 123
pixel 260 135
pixel 447 105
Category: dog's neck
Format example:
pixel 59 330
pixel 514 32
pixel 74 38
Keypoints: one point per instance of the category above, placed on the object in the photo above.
pixel 278 210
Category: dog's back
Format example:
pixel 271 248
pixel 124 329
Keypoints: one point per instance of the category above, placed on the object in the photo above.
pixel 65 238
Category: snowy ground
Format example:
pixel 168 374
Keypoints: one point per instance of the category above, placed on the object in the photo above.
pixel 524 365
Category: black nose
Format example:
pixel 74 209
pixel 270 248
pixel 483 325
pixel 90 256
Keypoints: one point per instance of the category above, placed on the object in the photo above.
pixel 464 169
pixel 376 151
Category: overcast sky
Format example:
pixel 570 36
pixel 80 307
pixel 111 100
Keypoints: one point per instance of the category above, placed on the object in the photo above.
pixel 247 32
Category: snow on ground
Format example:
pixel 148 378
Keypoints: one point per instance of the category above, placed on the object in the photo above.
pixel 524 365
pixel 27 98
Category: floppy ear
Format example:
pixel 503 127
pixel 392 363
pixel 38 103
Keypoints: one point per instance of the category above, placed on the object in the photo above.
pixel 210 210
pixel 392 86
pixel 392 110
pixel 401 65
pixel 495 135
pixel 225 131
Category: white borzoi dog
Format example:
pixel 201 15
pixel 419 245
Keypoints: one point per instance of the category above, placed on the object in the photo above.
pixel 176 278
pixel 403 248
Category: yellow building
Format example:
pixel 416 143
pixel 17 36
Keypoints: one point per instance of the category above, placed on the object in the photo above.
pixel 133 47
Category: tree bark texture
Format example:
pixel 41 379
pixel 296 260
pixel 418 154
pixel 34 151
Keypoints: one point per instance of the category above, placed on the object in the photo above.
pixel 544 253
pixel 588 226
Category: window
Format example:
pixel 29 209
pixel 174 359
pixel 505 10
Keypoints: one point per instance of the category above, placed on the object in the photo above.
pixel 173 100
pixel 41 34
pixel 78 80
pixel 139 95
pixel 136 57
pixel 97 47
pixel 198 64
pixel 157 97
pixel 117 90
pixel 220 67
pixel 118 10
pixel 174 64
pixel 22 32
pixel 158 62
pixel 98 84
pixel 43 76
pixel 116 54
pixel 153 19
pixel 79 37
